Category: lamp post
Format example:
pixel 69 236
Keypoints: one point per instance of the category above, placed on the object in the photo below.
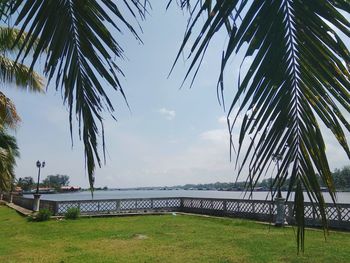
pixel 36 203
pixel 39 165
pixel 280 207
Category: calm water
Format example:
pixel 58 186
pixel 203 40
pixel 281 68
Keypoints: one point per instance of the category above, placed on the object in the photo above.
pixel 343 197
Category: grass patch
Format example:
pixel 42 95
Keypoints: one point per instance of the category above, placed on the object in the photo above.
pixel 165 238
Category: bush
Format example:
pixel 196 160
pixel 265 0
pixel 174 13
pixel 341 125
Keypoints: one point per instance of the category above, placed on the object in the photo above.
pixel 43 215
pixel 30 218
pixel 72 213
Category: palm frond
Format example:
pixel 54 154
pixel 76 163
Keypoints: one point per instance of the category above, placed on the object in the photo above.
pixel 80 53
pixel 20 74
pixel 298 77
pixel 12 40
pixel 13 72
pixel 5 9
pixel 8 154
pixel 8 113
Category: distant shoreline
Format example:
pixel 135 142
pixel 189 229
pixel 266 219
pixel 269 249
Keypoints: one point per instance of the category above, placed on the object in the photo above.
pixel 193 189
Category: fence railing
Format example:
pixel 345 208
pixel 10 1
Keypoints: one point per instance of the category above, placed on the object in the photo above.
pixel 338 215
pixel 119 206
pixel 252 209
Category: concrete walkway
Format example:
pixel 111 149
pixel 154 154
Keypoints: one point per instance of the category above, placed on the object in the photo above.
pixel 19 209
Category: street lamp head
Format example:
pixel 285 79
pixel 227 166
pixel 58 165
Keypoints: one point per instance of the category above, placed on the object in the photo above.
pixel 39 164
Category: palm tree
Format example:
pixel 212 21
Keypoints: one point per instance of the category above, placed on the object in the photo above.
pixel 12 72
pixel 8 113
pixel 299 75
pixel 8 154
pixel 24 78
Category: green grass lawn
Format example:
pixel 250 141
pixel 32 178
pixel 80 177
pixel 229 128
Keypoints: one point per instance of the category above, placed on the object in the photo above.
pixel 166 238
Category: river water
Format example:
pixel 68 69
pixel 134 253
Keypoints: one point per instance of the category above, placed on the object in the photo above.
pixel 342 197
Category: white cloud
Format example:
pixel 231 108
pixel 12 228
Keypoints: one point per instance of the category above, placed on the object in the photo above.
pixel 217 135
pixel 222 120
pixel 168 114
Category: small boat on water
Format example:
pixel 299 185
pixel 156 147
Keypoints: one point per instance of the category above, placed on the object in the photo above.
pixel 70 189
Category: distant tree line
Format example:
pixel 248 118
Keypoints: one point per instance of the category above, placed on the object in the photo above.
pixel 51 181
pixel 341 178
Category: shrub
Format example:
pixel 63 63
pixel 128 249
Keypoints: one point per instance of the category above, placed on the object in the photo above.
pixel 43 215
pixel 72 213
pixel 30 218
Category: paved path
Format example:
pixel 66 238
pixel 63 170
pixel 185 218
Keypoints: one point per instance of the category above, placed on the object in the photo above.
pixel 21 210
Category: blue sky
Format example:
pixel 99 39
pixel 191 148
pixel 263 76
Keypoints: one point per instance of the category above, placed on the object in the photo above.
pixel 171 136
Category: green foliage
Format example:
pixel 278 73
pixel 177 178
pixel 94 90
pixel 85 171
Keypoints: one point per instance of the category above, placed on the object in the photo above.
pixel 8 153
pixel 19 74
pixel 13 72
pixel 56 181
pixel 341 178
pixel 26 183
pixel 299 75
pixel 81 51
pixel 72 213
pixel 43 215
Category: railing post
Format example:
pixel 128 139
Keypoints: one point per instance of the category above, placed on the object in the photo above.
pixel 181 204
pixel 11 197
pixel 224 206
pixel 290 212
pixel 36 202
pixel 118 205
pixel 339 213
pixel 56 208
pixel 280 207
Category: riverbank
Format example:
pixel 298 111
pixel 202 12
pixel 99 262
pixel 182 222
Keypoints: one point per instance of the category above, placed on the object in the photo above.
pixel 167 238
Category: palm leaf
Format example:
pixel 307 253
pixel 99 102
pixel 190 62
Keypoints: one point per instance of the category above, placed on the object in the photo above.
pixel 5 9
pixel 8 153
pixel 298 77
pixel 13 72
pixel 12 40
pixel 23 77
pixel 80 53
pixel 8 113
pixel 20 74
